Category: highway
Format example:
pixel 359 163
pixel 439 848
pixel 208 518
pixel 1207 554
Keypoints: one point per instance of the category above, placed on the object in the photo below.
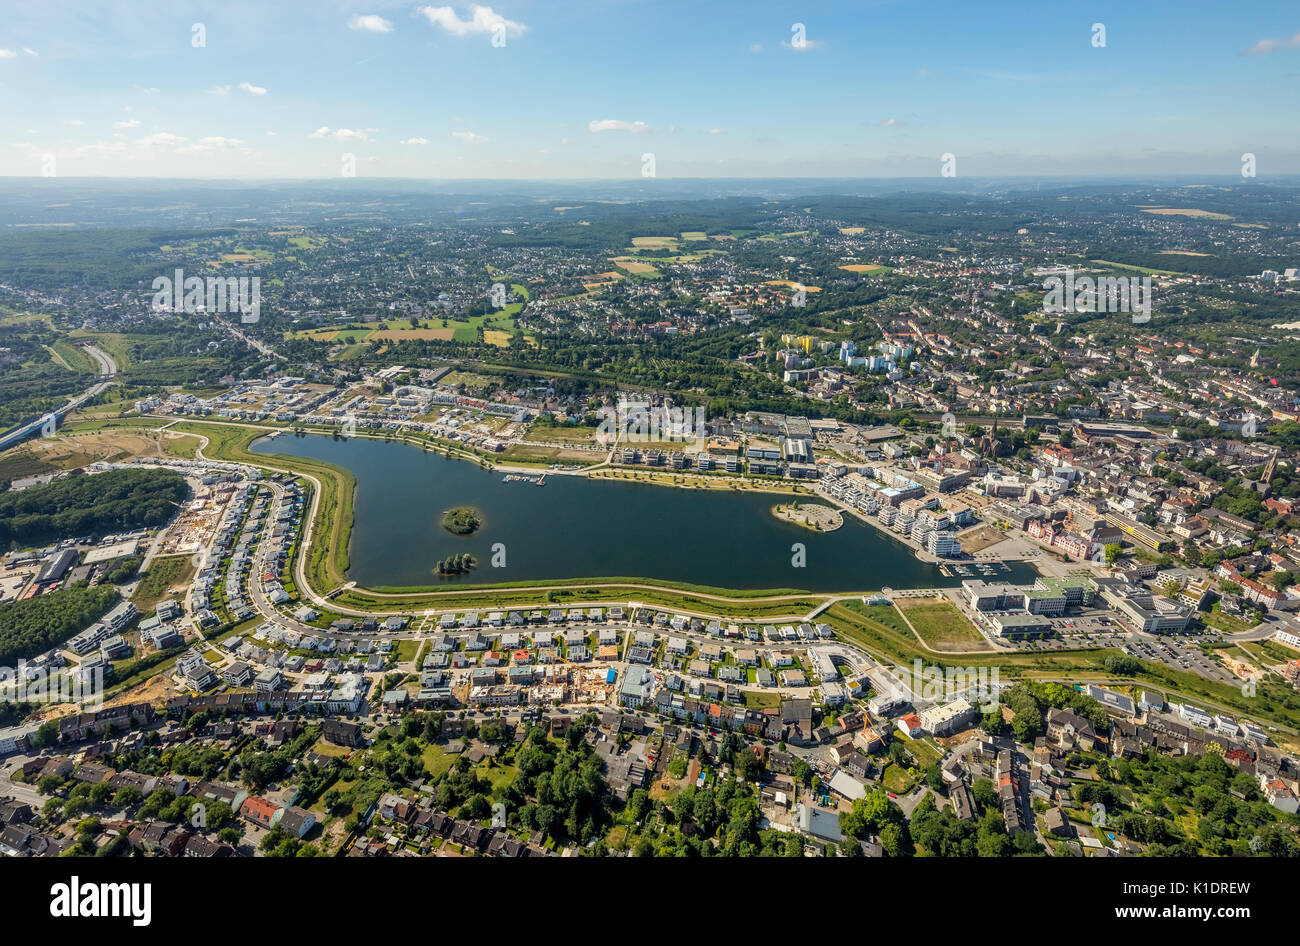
pixel 107 370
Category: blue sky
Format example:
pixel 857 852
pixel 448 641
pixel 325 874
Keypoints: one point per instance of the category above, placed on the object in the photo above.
pixel 585 89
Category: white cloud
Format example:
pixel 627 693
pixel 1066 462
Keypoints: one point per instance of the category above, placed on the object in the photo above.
pixel 75 122
pixel 218 90
pixel 216 143
pixel 369 23
pixel 892 123
pixel 614 124
pixel 133 123
pixel 1273 45
pixel 162 139
pixel 29 51
pixel 252 89
pixel 339 134
pixel 415 141
pixel 468 136
pixel 7 54
pixel 715 131
pixel 755 47
pixel 481 20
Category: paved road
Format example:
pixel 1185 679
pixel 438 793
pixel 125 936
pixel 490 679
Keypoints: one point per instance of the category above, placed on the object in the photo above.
pixel 23 792
pixel 107 366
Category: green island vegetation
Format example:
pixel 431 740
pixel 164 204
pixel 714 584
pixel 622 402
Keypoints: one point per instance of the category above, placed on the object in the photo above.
pixel 34 625
pixel 455 564
pixel 462 520
pixel 90 505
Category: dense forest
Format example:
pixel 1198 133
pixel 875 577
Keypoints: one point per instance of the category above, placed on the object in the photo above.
pixel 33 626
pixel 31 381
pixel 94 505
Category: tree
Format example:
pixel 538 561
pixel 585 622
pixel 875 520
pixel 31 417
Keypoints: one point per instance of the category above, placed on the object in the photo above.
pixel 1111 551
pixel 47 734
pixel 894 840
pixel 934 778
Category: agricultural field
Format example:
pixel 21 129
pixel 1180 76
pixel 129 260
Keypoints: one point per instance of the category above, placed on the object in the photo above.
pixel 1184 212
pixel 636 267
pixel 655 242
pixel 497 329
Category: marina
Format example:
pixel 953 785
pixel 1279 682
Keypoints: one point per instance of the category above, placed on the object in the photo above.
pixel 524 478
pixel 984 570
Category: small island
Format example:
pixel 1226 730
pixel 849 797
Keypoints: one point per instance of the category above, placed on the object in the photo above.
pixel 462 520
pixel 814 516
pixel 455 565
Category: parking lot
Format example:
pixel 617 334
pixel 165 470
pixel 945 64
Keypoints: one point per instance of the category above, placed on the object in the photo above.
pixel 1183 654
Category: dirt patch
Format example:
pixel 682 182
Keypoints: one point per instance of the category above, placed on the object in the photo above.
pixel 157 689
pixel 71 451
pixel 979 538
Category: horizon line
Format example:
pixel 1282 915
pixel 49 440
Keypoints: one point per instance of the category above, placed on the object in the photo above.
pixel 633 180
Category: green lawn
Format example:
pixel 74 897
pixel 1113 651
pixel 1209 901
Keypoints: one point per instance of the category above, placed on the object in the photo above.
pixel 407 650
pixel 925 753
pixel 436 760
pixel 896 779
pixel 499 775
pixel 940 624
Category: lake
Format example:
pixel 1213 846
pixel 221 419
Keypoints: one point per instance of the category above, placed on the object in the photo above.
pixel 573 527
